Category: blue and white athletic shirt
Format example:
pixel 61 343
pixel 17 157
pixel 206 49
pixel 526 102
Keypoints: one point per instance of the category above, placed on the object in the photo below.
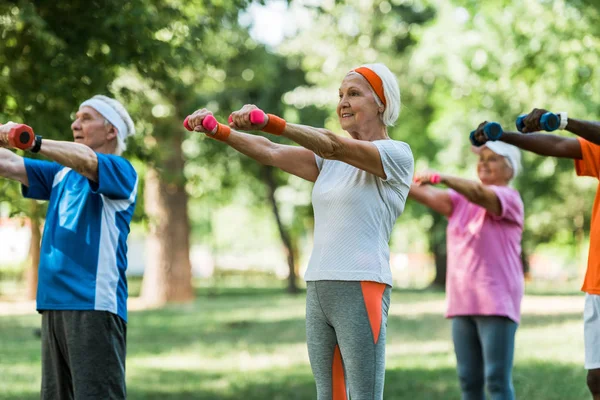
pixel 84 247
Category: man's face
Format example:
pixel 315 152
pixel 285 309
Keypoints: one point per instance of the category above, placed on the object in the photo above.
pixel 90 129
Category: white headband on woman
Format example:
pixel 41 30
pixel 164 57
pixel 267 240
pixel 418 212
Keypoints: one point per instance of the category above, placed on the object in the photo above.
pixel 110 114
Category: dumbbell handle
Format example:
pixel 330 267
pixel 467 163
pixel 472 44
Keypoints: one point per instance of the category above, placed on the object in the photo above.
pixel 257 117
pixel 209 123
pixel 20 136
pixel 492 131
pixel 548 121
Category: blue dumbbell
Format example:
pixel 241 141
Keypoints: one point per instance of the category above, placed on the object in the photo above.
pixel 491 130
pixel 549 122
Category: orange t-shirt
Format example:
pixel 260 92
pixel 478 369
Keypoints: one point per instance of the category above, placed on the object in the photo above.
pixel 589 165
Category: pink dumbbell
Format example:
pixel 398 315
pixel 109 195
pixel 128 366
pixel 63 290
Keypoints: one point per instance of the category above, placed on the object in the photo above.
pixel 434 179
pixel 257 117
pixel 209 123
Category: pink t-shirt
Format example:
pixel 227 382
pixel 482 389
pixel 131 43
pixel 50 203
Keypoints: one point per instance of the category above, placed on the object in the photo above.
pixel 485 272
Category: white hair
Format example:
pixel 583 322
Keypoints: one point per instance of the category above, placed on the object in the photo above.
pixel 391 91
pixel 124 115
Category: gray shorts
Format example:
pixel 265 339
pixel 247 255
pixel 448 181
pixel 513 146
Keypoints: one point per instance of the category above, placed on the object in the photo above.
pixel 83 355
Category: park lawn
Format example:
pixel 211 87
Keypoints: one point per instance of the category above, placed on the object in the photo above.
pixel 250 344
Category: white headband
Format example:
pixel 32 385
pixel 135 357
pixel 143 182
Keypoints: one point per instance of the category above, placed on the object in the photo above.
pixel 110 114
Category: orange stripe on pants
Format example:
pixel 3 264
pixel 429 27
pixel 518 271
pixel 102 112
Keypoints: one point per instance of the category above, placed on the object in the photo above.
pixel 373 294
pixel 337 376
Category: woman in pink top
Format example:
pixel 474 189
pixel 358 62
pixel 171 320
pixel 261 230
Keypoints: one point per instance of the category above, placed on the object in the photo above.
pixel 484 283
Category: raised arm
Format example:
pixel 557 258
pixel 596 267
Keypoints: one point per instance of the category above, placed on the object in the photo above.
pixel 358 153
pixel 76 156
pixel 436 199
pixel 295 160
pixel 12 166
pixel 538 143
pixel 545 144
pixel 588 130
pixel 475 192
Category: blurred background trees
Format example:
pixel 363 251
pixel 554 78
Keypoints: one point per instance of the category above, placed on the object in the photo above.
pixel 458 63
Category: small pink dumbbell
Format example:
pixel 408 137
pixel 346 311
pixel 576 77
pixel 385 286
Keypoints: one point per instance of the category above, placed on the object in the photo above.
pixel 209 123
pixel 257 117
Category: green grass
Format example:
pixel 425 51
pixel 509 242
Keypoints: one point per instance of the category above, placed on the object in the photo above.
pixel 250 344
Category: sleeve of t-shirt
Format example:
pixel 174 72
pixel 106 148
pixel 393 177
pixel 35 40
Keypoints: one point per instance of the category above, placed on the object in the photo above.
pixel 398 162
pixel 457 202
pixel 117 178
pixel 319 161
pixel 589 165
pixel 511 204
pixel 40 175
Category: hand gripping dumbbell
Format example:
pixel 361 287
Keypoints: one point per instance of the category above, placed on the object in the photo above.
pixel 548 121
pixel 491 130
pixel 20 136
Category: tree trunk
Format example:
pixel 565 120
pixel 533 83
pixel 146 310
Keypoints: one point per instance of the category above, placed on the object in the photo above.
pixel 286 239
pixel 168 270
pixel 437 243
pixel 525 262
pixel 31 273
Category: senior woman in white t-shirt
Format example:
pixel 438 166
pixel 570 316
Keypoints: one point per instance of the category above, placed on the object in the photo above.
pixel 361 186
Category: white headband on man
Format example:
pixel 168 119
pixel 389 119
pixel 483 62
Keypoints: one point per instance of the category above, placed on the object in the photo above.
pixel 110 114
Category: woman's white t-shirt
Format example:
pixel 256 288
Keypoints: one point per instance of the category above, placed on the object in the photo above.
pixel 355 212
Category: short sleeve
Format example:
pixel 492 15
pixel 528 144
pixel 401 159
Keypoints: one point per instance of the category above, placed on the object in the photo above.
pixel 117 178
pixel 589 165
pixel 319 161
pixel 40 175
pixel 397 160
pixel 457 200
pixel 511 204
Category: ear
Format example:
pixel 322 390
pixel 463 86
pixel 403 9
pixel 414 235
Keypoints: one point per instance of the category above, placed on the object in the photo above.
pixel 112 132
pixel 381 110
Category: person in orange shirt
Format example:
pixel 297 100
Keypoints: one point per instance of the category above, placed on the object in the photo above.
pixel 585 150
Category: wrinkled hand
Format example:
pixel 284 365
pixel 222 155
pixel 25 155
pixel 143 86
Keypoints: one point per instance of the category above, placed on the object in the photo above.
pixel 195 120
pixel 241 119
pixel 426 178
pixel 532 120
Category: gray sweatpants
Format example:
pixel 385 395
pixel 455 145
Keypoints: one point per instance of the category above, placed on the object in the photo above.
pixel 345 329
pixel 83 355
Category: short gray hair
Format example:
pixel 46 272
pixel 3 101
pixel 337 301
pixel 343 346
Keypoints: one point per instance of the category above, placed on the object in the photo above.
pixel 122 113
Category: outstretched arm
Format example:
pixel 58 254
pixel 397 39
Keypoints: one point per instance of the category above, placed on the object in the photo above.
pixel 588 130
pixel 12 166
pixel 76 156
pixel 358 153
pixel 475 192
pixel 545 144
pixel 436 199
pixel 295 160
pixel 538 143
